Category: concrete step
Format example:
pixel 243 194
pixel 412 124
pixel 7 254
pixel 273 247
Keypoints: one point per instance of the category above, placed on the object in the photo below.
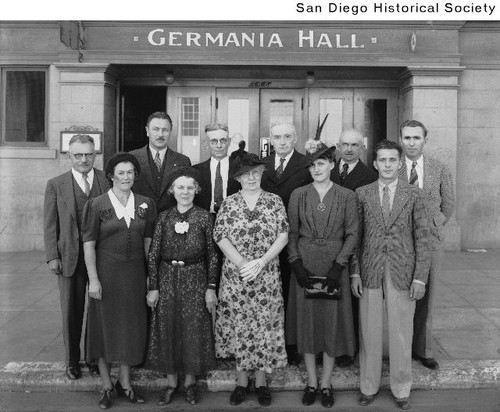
pixel 452 374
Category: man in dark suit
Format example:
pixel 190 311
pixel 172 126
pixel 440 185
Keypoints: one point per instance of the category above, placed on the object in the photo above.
pixel 286 170
pixel 65 196
pixel 351 173
pixel 157 161
pixel 392 268
pixel 215 173
pixel 434 177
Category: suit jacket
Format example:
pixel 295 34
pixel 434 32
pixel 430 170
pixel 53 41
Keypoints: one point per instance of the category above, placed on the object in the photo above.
pixel 145 184
pixel 361 175
pixel 61 234
pixel 439 192
pixel 404 240
pixel 296 174
pixel 204 198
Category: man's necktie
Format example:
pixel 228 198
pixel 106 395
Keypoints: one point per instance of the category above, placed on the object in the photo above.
pixel 280 168
pixel 218 191
pixel 413 174
pixel 344 173
pixel 86 184
pixel 386 204
pixel 157 161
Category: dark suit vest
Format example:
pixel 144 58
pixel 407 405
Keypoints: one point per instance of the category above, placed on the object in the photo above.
pixel 158 174
pixel 81 198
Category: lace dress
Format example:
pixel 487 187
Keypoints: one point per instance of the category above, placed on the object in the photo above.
pixel 181 336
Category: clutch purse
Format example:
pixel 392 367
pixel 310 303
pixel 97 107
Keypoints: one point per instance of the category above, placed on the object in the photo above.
pixel 319 290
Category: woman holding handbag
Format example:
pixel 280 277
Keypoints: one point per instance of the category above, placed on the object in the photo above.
pixel 323 234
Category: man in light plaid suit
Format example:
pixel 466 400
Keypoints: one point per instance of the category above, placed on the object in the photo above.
pixel 390 272
pixel 434 177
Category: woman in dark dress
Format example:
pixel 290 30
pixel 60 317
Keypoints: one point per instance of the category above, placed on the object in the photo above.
pixel 184 272
pixel 323 233
pixel 117 230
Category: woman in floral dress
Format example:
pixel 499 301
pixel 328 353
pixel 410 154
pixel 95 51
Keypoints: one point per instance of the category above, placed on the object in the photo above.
pixel 184 270
pixel 251 229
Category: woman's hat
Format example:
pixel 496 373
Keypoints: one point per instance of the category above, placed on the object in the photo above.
pixel 315 148
pixel 122 157
pixel 246 162
pixel 187 171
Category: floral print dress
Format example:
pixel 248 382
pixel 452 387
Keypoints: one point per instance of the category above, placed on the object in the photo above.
pixel 250 315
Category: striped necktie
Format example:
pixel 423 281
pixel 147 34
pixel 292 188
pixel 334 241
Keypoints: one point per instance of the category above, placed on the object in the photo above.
pixel 386 204
pixel 86 184
pixel 280 168
pixel 413 174
pixel 157 161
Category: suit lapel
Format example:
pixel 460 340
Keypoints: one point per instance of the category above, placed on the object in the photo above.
pixel 68 193
pixel 400 199
pixel 403 172
pixel 169 166
pixel 270 168
pixel 101 181
pixel 428 175
pixel 142 157
pixel 290 169
pixel 374 201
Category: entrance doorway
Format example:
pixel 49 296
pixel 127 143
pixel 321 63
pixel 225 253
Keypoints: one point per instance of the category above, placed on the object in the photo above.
pixel 250 113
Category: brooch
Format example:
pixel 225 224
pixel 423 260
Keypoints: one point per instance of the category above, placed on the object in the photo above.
pixel 106 215
pixel 141 210
pixel 181 227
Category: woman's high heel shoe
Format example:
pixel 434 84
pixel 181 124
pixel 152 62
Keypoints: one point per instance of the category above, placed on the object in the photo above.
pixel 105 399
pixel 128 393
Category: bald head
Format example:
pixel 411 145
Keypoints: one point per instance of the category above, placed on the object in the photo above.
pixel 350 145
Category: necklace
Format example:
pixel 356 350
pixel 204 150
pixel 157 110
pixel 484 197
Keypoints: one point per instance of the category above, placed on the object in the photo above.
pixel 322 206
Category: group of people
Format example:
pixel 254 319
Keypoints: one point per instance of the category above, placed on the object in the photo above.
pixel 266 261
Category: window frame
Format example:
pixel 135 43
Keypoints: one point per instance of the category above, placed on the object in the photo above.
pixel 3 105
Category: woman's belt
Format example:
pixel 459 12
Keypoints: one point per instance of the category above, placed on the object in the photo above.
pixel 187 261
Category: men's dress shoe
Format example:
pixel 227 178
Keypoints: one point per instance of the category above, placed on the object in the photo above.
pixel 327 399
pixel 128 393
pixel 403 403
pixel 294 358
pixel 309 396
pixel 430 363
pixel 344 361
pixel 74 372
pixel 167 396
pixel 365 400
pixel 263 395
pixel 105 399
pixel 93 370
pixel 191 395
pixel 238 395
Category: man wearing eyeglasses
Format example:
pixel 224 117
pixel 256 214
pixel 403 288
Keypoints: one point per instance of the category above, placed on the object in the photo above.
pixel 215 181
pixel 65 197
pixel 157 161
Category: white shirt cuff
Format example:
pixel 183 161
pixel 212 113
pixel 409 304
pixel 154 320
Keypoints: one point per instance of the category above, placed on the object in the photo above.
pixel 419 281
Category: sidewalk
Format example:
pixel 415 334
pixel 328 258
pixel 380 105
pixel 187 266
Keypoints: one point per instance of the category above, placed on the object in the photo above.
pixel 466 331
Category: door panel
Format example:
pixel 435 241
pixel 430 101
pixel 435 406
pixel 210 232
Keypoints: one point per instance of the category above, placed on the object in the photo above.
pixel 239 109
pixel 281 106
pixel 190 110
pixel 337 103
pixel 376 116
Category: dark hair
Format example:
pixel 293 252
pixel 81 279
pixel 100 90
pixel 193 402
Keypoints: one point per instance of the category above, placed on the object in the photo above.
pixel 159 115
pixel 412 123
pixel 389 145
pixel 242 144
pixel 212 127
pixel 184 171
pixel 121 157
pixel 81 138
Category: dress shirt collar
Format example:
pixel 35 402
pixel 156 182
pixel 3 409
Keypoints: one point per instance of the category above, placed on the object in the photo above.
pixel 350 166
pixel 223 162
pixel 162 152
pixel 287 159
pixel 125 212
pixel 392 186
pixel 79 178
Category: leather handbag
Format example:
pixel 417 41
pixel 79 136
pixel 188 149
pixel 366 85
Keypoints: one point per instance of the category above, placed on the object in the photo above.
pixel 319 290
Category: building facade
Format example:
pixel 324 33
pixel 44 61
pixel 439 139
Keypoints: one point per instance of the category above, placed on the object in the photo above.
pixel 105 78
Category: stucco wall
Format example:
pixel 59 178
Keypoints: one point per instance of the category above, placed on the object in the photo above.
pixel 478 170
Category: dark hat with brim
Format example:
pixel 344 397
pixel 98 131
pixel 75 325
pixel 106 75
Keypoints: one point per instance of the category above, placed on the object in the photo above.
pixel 122 157
pixel 316 149
pixel 246 162
pixel 187 171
